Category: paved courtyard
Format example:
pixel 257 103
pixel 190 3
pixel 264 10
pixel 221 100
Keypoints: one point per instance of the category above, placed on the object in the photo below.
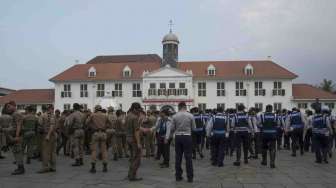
pixel 290 172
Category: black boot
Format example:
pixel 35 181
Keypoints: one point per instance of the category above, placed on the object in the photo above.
pixel 20 170
pixel 81 163
pixel 237 163
pixel 264 159
pixel 28 160
pixel 272 165
pixel 93 168
pixel 115 157
pixel 77 163
pixel 104 167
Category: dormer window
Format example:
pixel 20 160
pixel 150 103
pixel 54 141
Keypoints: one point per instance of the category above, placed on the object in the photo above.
pixel 211 70
pixel 92 72
pixel 127 72
pixel 248 70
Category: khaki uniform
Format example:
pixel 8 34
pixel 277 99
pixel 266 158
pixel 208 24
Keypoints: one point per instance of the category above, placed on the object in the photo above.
pixel 149 136
pixel 6 122
pixel 29 129
pixel 76 120
pixel 62 134
pixel 17 146
pixel 122 146
pixel 99 123
pixel 111 134
pixel 47 122
pixel 133 125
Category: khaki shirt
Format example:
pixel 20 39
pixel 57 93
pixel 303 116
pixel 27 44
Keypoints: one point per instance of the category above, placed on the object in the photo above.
pixel 113 119
pixel 60 124
pixel 17 120
pixel 46 122
pixel 132 124
pixel 76 120
pixel 120 126
pixel 30 123
pixel 98 121
pixel 6 123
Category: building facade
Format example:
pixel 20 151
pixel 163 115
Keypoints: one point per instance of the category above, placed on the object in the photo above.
pixel 37 98
pixel 154 82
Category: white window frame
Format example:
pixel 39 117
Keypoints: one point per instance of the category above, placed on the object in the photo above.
pixel 136 90
pixel 240 89
pixel 100 90
pixel 117 90
pixel 259 106
pixel 202 89
pixel 221 105
pixel 202 106
pixel 258 89
pixel 220 89
pixel 277 106
pixel 66 93
pixel 84 90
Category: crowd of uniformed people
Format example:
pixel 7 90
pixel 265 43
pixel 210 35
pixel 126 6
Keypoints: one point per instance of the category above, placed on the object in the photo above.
pixel 78 132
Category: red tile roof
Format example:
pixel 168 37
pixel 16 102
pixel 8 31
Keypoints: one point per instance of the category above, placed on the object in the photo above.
pixel 108 71
pixel 306 91
pixel 111 67
pixel 125 58
pixel 30 96
pixel 235 69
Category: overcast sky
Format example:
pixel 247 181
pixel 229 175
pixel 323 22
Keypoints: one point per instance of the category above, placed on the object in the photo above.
pixel 41 38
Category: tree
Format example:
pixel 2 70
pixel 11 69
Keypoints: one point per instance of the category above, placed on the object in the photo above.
pixel 327 85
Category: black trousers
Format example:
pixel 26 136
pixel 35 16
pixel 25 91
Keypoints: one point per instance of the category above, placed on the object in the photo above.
pixel 287 137
pixel 231 142
pixel 308 140
pixel 297 140
pixel 242 138
pixel 255 145
pixel 218 145
pixel 183 146
pixel 279 138
pixel 64 140
pixel 198 142
pixel 165 150
pixel 159 151
pixel 268 144
pixel 321 143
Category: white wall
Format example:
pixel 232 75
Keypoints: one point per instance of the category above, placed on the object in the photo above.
pixel 230 99
pixel 211 99
pixel 92 100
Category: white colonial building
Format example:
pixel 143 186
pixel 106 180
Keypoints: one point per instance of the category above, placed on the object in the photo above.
pixel 154 81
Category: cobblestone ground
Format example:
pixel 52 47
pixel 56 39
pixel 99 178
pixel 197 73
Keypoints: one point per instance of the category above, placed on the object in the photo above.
pixel 290 172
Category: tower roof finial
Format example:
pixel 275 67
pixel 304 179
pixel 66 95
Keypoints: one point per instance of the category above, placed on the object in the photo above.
pixel 170 26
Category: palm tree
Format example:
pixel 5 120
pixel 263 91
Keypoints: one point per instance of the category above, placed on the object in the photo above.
pixel 327 85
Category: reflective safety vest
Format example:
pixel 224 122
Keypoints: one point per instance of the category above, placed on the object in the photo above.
pixel 219 124
pixel 320 124
pixel 206 117
pixel 269 123
pixel 296 120
pixel 199 123
pixel 241 122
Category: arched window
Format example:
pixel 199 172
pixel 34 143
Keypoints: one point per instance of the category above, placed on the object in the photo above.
pixel 211 70
pixel 248 70
pixel 92 72
pixel 127 72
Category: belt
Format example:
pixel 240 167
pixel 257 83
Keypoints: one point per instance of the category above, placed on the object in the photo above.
pixel 219 132
pixel 297 126
pixel 269 131
pixel 198 130
pixel 183 134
